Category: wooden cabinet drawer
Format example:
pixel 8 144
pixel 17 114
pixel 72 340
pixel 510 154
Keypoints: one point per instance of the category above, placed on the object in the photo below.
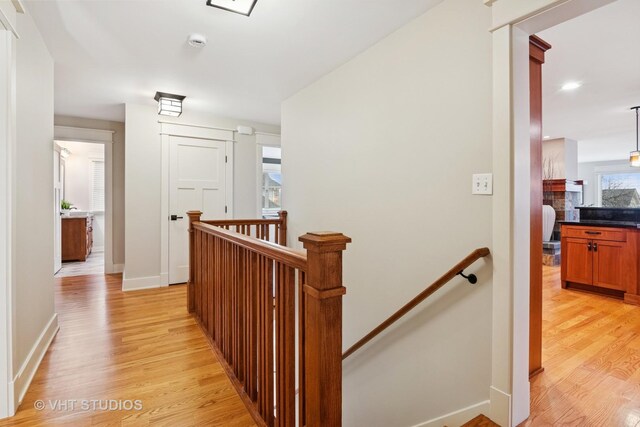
pixel 595 233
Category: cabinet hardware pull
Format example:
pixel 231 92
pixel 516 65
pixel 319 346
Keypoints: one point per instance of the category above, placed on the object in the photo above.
pixel 595 247
pixel 589 246
pixel 593 233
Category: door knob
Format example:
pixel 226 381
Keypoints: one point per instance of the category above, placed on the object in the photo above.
pixel 175 217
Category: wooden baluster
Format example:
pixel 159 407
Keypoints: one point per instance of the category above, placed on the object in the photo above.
pixel 252 324
pixel 242 315
pixel 323 328
pixel 198 276
pixel 266 232
pixel 227 305
pixel 204 297
pixel 210 286
pixel 282 228
pixel 194 216
pixel 196 270
pixel 217 292
pixel 301 346
pixel 285 345
pixel 265 332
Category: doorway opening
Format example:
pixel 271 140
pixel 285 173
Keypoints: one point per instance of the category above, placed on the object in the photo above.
pixel 271 181
pixel 589 269
pixel 80 208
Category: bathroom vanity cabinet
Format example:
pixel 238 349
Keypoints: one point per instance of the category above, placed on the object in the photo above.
pixel 77 237
pixel 601 259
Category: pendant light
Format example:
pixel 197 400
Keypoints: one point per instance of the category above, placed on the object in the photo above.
pixel 634 157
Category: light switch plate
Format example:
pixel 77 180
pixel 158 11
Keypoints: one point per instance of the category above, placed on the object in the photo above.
pixel 482 184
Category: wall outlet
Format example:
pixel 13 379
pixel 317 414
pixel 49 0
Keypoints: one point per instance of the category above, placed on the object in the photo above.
pixel 482 183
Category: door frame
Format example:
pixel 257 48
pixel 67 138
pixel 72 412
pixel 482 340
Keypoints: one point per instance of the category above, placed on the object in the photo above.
pixel 8 36
pixel 514 22
pixel 167 130
pixel 104 137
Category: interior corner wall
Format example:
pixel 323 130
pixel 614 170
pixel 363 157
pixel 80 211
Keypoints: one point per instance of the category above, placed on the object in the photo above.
pixel 33 303
pixel 143 157
pixel 118 174
pixel 560 159
pixel 383 150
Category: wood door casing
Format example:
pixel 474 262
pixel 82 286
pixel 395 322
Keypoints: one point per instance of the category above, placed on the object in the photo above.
pixel 537 49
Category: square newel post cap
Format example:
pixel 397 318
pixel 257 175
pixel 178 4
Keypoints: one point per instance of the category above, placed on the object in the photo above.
pixel 194 215
pixel 324 241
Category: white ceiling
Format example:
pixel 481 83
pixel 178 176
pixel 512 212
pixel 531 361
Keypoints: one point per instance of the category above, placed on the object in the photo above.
pixel 599 49
pixel 108 52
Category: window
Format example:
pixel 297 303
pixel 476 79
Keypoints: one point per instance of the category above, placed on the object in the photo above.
pixel 97 185
pixel 620 190
pixel 271 181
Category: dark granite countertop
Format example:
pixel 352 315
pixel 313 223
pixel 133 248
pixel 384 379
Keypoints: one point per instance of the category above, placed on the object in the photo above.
pixel 602 223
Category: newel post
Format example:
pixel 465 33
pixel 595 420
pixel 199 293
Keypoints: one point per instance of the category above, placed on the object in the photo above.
pixel 282 236
pixel 323 328
pixel 194 216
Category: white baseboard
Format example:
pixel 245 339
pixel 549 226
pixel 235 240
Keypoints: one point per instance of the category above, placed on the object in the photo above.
pixel 23 378
pixel 139 283
pixel 459 417
pixel 500 411
pixel 113 268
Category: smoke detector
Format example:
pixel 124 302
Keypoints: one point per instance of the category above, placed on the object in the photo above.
pixel 197 40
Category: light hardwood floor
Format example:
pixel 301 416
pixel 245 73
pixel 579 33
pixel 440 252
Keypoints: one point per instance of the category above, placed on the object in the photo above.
pixel 139 345
pixel 591 356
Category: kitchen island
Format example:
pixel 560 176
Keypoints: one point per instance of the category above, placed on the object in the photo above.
pixel 600 252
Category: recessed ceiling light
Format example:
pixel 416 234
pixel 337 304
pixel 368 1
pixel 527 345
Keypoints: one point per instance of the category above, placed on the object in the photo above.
pixel 243 7
pixel 546 137
pixel 571 85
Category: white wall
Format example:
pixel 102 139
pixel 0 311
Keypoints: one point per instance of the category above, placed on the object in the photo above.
pixel 143 178
pixel 34 314
pixel 383 149
pixel 118 175
pixel 563 154
pixel 78 182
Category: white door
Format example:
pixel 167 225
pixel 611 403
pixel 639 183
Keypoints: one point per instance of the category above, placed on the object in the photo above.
pixel 196 182
pixel 57 221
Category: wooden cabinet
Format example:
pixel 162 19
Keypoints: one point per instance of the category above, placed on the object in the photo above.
pixel 77 238
pixel 600 257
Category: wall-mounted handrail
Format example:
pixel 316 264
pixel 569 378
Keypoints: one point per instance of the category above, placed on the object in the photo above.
pixel 457 269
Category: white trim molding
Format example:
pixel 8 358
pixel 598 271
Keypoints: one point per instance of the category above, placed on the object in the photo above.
pixel 194 131
pixel 95 136
pixel 459 417
pixel 140 283
pixel 7 201
pixel 104 137
pixel 25 375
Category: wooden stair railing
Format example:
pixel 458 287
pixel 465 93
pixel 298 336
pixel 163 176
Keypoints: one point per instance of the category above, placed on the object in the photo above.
pixel 458 269
pixel 234 280
pixel 272 230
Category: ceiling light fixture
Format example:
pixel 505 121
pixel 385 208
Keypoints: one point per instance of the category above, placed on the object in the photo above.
pixel 634 157
pixel 571 86
pixel 197 40
pixel 546 137
pixel 243 7
pixel 169 104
